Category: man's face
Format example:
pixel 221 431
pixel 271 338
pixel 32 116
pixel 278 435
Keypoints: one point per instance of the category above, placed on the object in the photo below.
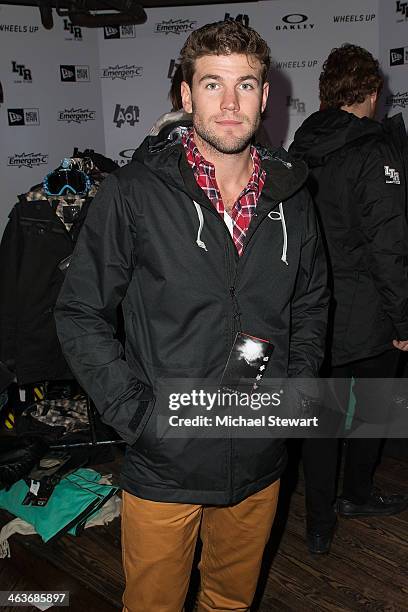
pixel 226 98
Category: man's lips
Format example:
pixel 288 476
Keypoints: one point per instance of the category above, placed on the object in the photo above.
pixel 228 122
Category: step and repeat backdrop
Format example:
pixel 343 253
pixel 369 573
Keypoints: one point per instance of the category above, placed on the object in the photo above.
pixel 103 89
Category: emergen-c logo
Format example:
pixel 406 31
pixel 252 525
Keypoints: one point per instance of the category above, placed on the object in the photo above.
pixel 175 26
pixel 402 11
pixel 121 72
pixel 76 115
pixel 398 100
pixel 28 160
pixel 295 21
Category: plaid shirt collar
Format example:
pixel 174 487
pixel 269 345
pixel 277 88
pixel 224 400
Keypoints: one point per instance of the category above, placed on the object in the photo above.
pixel 245 205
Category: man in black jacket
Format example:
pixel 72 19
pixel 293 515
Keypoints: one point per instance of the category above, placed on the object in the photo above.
pixel 203 235
pixel 358 181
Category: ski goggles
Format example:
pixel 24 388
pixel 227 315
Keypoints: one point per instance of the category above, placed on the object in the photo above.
pixel 69 180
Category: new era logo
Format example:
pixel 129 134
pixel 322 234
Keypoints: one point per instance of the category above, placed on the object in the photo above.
pixel 115 32
pixel 23 116
pixel 399 56
pixel 74 74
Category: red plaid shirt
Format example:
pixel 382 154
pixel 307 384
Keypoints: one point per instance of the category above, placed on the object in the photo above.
pixel 247 200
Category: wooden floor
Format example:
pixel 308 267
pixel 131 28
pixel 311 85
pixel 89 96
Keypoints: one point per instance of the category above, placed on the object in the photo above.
pixel 367 569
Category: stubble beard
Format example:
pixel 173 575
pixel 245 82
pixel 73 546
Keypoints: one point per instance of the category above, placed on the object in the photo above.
pixel 229 144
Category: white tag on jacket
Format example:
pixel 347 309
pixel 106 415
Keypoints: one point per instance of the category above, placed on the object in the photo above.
pixel 391 176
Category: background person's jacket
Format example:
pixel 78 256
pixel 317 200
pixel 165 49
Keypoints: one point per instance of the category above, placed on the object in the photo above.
pixel 358 181
pixel 154 241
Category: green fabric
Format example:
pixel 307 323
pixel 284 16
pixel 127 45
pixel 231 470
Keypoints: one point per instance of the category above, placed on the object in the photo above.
pixel 75 499
pixel 351 406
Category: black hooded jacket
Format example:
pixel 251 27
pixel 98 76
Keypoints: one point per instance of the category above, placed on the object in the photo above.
pixel 358 181
pixel 154 242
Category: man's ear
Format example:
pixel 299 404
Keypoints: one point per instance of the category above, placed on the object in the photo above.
pixel 186 97
pixel 265 93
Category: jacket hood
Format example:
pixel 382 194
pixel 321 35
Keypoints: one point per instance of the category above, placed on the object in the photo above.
pixel 325 132
pixel 171 118
pixel 162 153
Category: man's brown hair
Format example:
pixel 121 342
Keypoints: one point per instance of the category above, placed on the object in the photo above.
pixel 223 38
pixel 349 74
pixel 175 93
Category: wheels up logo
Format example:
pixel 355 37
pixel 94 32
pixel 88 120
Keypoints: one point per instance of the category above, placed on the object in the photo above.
pixel 241 18
pixel 402 11
pixel 129 115
pixel 288 65
pixel 296 106
pixel 76 115
pixel 398 100
pixel 354 18
pixel 74 74
pixel 72 32
pixel 18 29
pixel 175 26
pixel 399 56
pixel 392 176
pixel 23 116
pixel 121 72
pixel 27 160
pixel 23 74
pixel 115 32
pixel 295 21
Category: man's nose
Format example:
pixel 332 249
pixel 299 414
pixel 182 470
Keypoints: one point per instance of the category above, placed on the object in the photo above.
pixel 230 100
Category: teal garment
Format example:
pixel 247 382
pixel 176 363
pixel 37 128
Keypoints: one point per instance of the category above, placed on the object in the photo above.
pixel 76 498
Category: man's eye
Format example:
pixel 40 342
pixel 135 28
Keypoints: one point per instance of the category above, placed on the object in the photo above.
pixel 211 86
pixel 246 86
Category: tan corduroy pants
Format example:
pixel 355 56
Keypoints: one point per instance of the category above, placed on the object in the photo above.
pixel 158 543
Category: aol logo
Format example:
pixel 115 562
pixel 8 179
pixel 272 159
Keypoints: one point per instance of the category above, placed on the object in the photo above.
pixel 241 18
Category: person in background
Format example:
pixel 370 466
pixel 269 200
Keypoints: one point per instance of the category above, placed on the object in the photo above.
pixel 184 239
pixel 177 113
pixel 359 186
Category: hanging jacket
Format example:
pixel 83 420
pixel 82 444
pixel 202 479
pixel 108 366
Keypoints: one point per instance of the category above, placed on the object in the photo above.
pixel 154 242
pixel 358 180
pixel 34 243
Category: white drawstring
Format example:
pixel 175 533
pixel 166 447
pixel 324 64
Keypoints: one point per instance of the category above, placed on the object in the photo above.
pixel 200 216
pixel 274 215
